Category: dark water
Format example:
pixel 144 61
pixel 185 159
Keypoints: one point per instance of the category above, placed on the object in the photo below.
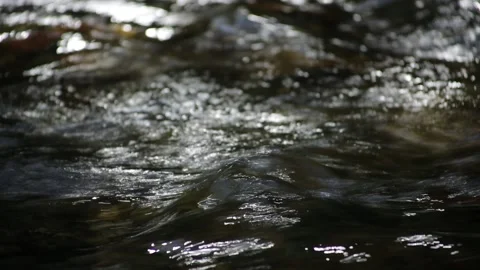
pixel 239 134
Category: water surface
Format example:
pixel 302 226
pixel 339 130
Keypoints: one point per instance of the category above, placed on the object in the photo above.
pixel 239 134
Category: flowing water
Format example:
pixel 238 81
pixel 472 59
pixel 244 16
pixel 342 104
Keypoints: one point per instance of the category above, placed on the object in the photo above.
pixel 227 134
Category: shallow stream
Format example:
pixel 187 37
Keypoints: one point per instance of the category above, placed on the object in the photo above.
pixel 221 134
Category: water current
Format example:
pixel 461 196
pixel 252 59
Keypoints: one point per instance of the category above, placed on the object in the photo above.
pixel 221 134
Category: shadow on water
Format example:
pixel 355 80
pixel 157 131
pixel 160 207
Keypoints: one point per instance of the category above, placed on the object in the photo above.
pixel 239 134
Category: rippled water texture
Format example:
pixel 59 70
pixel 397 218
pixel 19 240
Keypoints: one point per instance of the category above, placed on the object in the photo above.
pixel 239 134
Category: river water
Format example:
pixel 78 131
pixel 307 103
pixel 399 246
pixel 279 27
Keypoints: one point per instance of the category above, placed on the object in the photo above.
pixel 329 134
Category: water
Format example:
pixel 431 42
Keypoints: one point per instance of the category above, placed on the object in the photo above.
pixel 239 134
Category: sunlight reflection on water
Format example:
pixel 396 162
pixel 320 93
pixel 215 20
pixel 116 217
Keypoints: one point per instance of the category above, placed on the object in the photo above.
pixel 249 134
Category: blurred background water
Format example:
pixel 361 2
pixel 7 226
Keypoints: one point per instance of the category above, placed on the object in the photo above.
pixel 222 134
